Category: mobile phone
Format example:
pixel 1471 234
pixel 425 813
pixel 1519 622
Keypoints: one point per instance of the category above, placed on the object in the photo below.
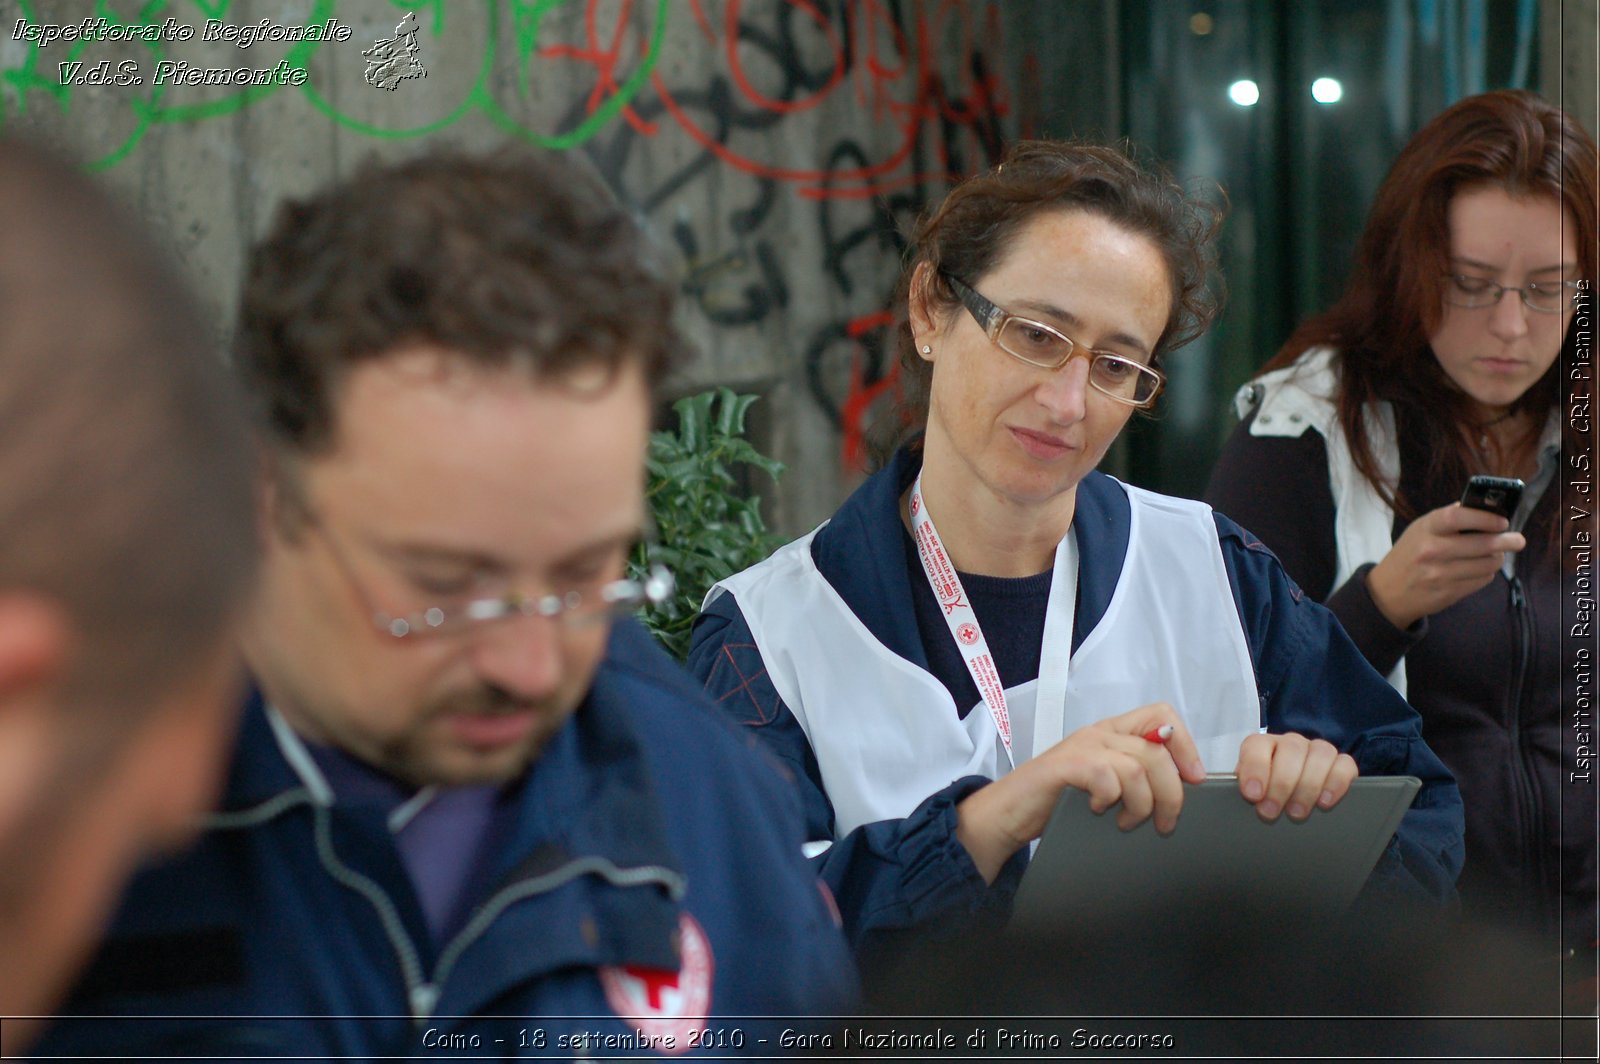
pixel 1498 495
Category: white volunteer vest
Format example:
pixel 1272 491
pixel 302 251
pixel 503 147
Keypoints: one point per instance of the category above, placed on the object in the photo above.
pixel 1291 400
pixel 886 734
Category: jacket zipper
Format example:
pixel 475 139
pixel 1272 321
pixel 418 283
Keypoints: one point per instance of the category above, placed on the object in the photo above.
pixel 1533 850
pixel 502 899
pixel 423 993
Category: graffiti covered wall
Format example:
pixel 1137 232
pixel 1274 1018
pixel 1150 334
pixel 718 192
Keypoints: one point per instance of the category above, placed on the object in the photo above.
pixel 778 148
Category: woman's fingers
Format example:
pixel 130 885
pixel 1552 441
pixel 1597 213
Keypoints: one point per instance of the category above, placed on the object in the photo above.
pixel 1292 773
pixel 1442 557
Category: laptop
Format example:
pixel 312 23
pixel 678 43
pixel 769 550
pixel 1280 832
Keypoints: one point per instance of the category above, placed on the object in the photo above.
pixel 1085 868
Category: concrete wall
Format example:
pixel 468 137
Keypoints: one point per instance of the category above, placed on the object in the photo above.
pixel 776 147
pixel 1571 39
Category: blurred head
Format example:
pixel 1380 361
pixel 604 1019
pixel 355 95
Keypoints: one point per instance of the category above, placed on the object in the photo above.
pixel 984 219
pixel 126 514
pixel 454 358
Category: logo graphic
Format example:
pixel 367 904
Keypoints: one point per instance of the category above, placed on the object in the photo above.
pixel 659 1003
pixel 916 504
pixel 391 61
pixel 946 588
pixel 967 633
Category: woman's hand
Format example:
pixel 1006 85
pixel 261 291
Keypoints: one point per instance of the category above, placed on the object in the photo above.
pixel 1432 565
pixel 1110 759
pixel 1290 773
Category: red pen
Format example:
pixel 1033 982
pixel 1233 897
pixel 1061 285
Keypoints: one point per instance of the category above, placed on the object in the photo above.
pixel 1158 735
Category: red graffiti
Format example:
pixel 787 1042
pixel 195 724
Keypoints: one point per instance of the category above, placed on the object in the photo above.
pixel 926 92
pixel 736 65
pixel 605 60
pixel 898 74
pixel 895 76
pixel 862 396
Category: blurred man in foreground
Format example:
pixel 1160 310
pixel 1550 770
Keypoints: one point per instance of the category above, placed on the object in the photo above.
pixel 127 539
pixel 468 788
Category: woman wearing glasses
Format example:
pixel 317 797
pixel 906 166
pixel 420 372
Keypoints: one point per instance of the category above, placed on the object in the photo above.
pixel 1441 362
pixel 909 660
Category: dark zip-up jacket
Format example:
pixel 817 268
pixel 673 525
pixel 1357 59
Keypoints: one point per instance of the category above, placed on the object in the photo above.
pixel 652 853
pixel 1487 674
pixel 912 873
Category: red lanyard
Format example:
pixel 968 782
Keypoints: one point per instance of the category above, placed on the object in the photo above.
pixel 1050 700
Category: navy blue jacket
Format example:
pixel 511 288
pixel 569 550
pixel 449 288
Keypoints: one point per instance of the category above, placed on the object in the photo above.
pixel 292 929
pixel 900 874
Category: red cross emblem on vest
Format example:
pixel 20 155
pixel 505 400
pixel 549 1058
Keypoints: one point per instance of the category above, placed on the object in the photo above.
pixel 661 1003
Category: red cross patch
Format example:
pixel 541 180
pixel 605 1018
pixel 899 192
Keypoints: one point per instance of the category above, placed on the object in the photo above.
pixel 661 1003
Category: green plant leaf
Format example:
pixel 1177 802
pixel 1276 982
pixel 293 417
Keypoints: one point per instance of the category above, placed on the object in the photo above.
pixel 693 413
pixel 731 410
pixel 707 530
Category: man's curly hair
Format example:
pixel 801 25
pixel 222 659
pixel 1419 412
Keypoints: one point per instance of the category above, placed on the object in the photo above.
pixel 515 259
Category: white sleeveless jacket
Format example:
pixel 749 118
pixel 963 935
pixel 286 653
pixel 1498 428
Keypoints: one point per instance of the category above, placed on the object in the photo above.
pixel 1291 400
pixel 886 734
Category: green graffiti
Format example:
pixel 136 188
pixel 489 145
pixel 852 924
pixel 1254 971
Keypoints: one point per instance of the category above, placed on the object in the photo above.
pixel 32 77
pixel 418 5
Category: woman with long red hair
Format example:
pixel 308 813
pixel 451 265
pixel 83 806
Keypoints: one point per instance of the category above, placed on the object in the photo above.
pixel 1444 360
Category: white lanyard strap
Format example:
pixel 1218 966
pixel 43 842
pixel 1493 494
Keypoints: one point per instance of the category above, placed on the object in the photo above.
pixel 1051 694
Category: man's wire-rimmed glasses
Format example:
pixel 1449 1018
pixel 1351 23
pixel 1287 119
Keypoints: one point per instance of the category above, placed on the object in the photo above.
pixel 573 608
pixel 1546 297
pixel 1045 346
